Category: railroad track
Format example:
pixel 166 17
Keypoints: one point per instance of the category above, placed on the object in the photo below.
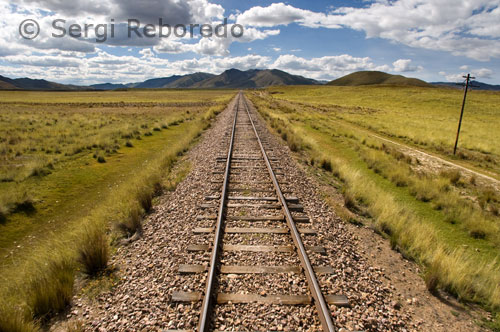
pixel 249 207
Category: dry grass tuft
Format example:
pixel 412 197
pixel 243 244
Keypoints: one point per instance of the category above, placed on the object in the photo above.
pixel 132 223
pixel 14 320
pixel 50 289
pixel 93 252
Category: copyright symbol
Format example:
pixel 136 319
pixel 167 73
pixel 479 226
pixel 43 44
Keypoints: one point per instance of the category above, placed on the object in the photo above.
pixel 29 29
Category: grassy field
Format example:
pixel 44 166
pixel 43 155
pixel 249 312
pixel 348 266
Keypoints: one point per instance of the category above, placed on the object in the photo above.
pixel 442 218
pixel 77 172
pixel 423 117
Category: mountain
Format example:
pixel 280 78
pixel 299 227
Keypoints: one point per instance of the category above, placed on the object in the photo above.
pixel 108 86
pixel 4 85
pixel 31 84
pixel 475 85
pixel 377 77
pixel 253 78
pixel 175 81
pixel 187 81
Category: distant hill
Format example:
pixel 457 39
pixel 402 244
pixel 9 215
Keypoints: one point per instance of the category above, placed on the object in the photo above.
pixel 476 85
pixel 175 81
pixel 31 84
pixel 188 81
pixel 7 85
pixel 377 77
pixel 254 78
pixel 108 86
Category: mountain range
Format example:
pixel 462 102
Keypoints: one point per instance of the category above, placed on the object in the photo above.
pixel 31 84
pixel 474 84
pixel 235 79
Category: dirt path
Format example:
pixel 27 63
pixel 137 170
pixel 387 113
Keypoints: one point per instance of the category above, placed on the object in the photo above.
pixel 429 157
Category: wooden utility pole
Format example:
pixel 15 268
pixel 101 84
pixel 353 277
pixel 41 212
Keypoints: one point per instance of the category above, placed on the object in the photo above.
pixel 468 79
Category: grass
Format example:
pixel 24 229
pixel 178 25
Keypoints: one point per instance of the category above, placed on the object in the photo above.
pixel 79 206
pixel 426 118
pixel 93 252
pixel 50 289
pixel 439 219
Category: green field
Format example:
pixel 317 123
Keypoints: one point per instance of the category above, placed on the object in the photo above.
pixel 75 167
pixel 446 220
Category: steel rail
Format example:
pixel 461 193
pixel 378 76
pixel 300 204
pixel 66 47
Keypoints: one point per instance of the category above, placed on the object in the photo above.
pixel 204 322
pixel 319 300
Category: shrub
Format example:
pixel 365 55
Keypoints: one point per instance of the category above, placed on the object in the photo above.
pixel 129 144
pixel 294 146
pixel 12 320
pixel 132 223
pixel 25 203
pixel 40 171
pixel 493 209
pixel 145 198
pixel 350 201
pixel 431 279
pixel 326 165
pixel 452 174
pixel 479 227
pixel 51 289
pixel 101 159
pixel 477 233
pixel 3 214
pixel 93 252
pixel 399 179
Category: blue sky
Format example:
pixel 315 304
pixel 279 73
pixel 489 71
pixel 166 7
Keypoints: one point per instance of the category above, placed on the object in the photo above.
pixel 435 40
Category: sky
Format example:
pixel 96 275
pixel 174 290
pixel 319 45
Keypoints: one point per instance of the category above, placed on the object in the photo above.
pixel 434 40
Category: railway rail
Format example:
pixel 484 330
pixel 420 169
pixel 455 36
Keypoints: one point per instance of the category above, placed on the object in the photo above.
pixel 248 193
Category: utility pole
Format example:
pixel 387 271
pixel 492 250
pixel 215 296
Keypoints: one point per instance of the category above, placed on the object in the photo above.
pixel 468 79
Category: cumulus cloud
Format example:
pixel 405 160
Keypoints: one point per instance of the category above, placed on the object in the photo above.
pixel 404 66
pixel 480 73
pixel 281 14
pixel 172 12
pixel 325 68
pixel 214 45
pixel 471 29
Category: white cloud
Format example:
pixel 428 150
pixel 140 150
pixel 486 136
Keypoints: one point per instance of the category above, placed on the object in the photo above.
pixel 404 66
pixel 146 53
pixel 276 49
pixel 481 73
pixel 147 11
pixel 325 68
pixel 215 45
pixel 471 28
pixel 281 14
